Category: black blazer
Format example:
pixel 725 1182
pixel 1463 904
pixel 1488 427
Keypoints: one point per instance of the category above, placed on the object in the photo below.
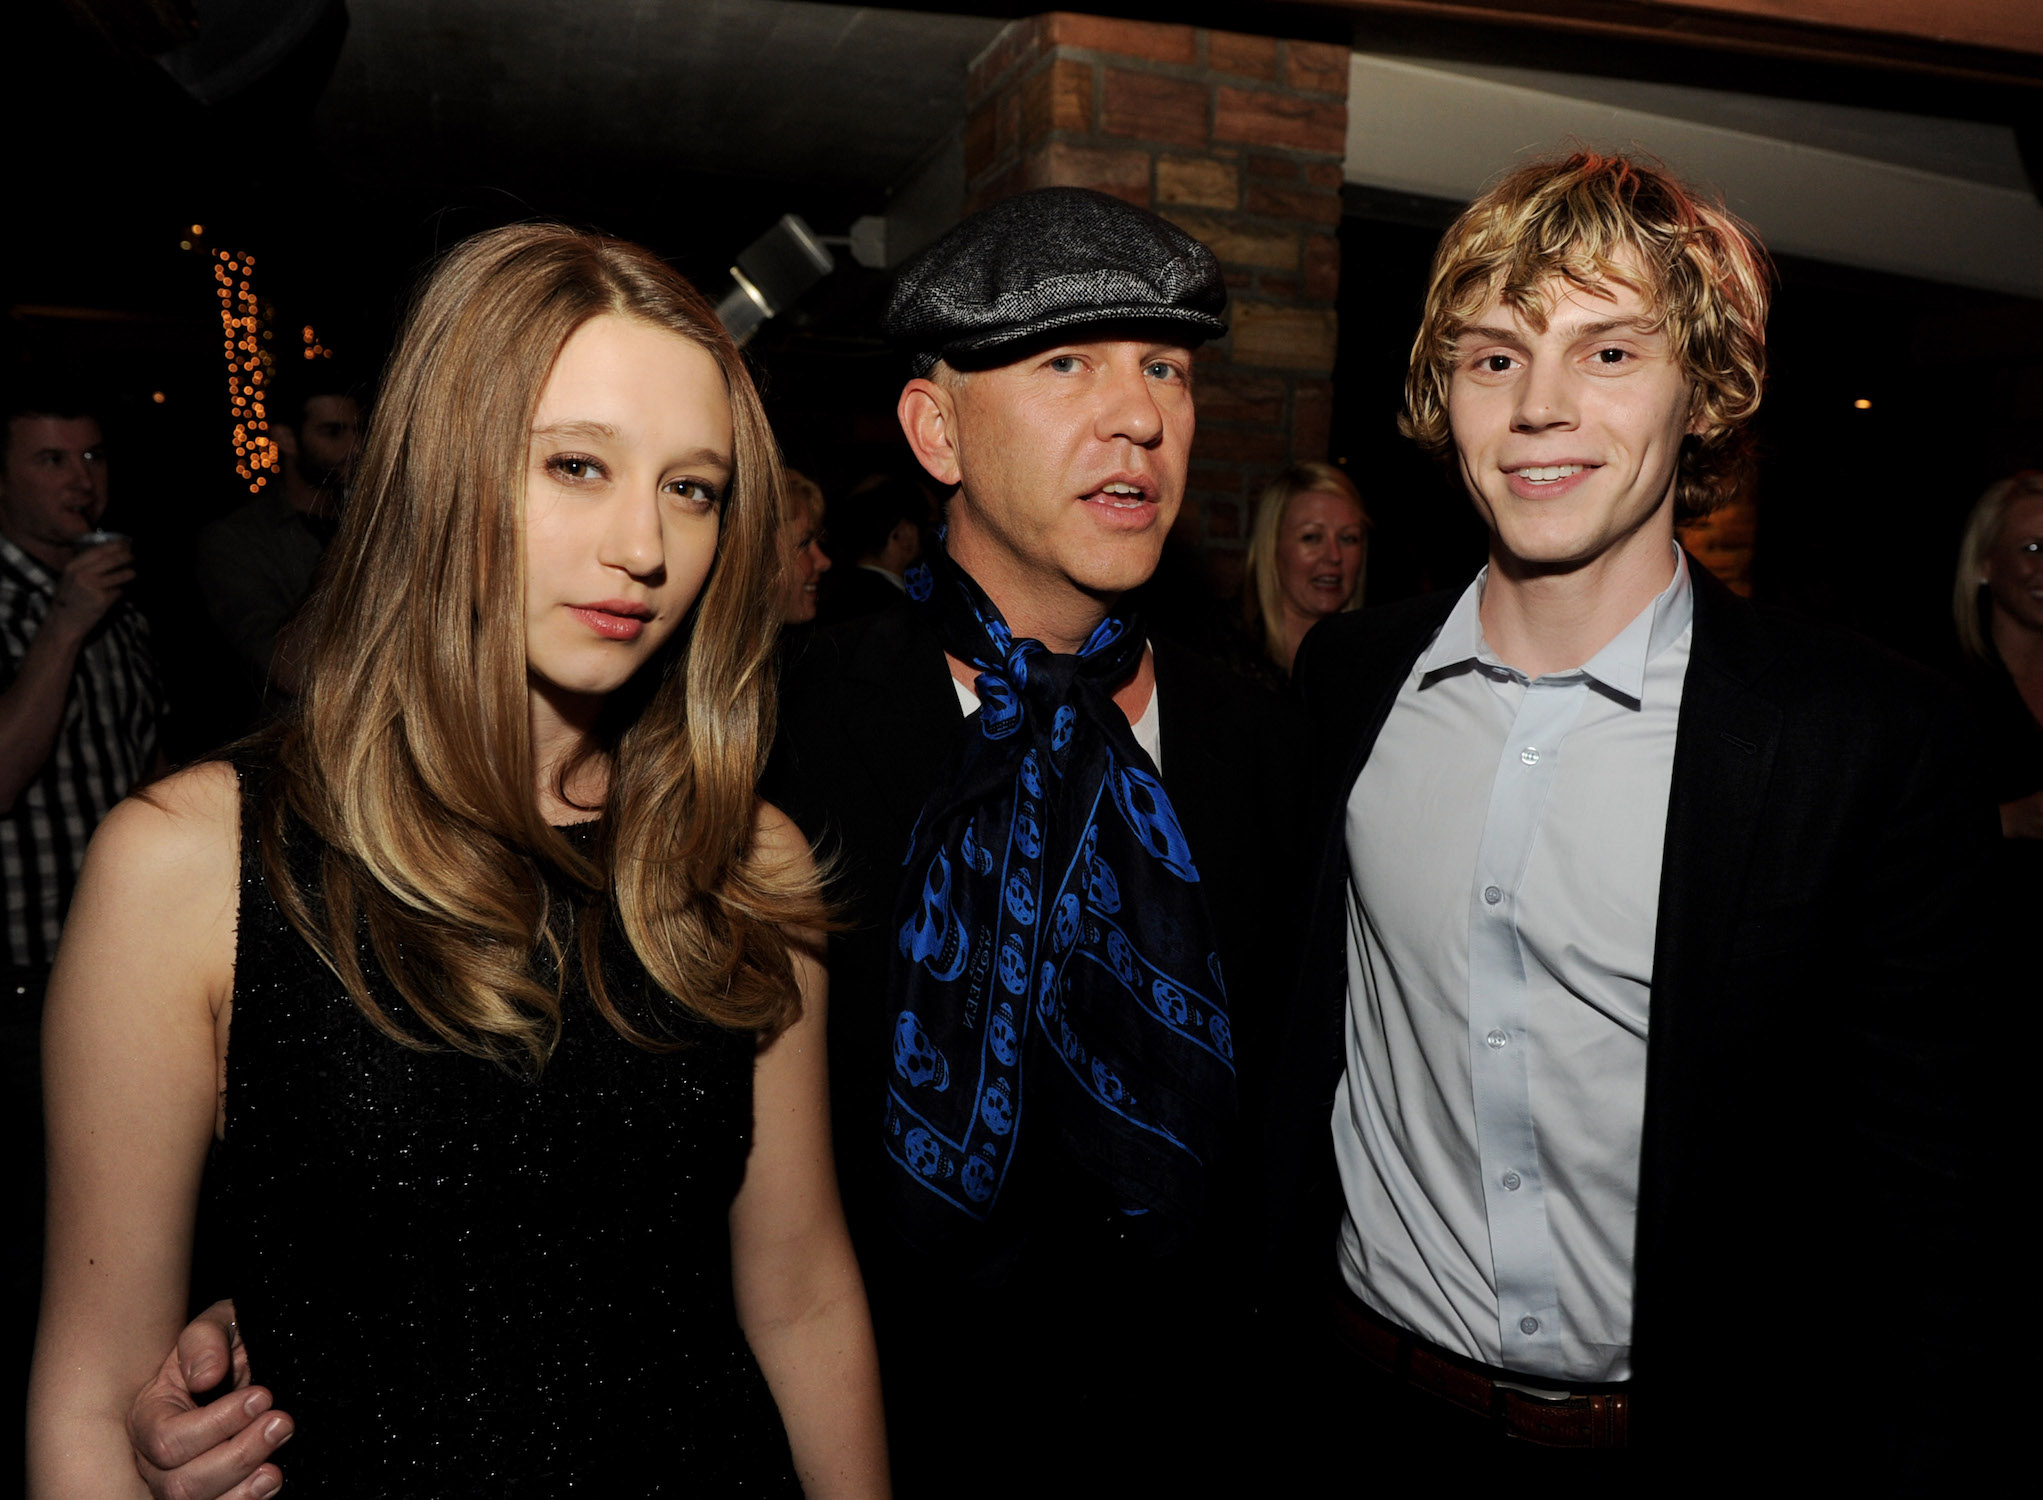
pixel 849 591
pixel 1803 1216
pixel 1090 1339
pixel 868 717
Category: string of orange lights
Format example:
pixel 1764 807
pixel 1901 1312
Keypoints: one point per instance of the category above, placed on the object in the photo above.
pixel 249 365
pixel 244 332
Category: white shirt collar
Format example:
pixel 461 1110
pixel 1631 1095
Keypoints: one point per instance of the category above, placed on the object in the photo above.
pixel 1620 666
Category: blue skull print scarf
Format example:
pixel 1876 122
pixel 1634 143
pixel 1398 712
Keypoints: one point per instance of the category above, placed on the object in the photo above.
pixel 1054 965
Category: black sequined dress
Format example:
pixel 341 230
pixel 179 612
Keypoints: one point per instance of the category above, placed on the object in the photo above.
pixel 466 1283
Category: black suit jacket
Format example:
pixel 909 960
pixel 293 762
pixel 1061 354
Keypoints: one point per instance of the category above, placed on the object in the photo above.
pixel 1093 1355
pixel 850 590
pixel 1803 1215
pixel 868 718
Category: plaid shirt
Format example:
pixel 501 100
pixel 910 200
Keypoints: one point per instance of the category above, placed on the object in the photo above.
pixel 105 744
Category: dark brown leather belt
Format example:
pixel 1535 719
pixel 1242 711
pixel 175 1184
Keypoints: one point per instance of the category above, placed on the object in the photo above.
pixel 1599 1419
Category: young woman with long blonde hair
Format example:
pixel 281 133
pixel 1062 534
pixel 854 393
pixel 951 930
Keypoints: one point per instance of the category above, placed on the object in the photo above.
pixel 485 970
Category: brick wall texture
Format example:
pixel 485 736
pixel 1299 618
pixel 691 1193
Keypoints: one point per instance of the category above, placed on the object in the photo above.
pixel 1239 140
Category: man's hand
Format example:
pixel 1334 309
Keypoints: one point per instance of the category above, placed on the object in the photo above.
pixel 89 586
pixel 185 1451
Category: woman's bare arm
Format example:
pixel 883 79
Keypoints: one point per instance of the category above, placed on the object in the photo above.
pixel 800 1298
pixel 132 1042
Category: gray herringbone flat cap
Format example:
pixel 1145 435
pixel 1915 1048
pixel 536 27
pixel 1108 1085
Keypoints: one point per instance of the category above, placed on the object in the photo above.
pixel 1038 265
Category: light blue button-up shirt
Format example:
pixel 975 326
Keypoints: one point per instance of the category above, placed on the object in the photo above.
pixel 1504 846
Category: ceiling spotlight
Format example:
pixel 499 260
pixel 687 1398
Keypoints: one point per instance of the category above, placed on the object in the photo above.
pixel 771 273
pixel 1863 404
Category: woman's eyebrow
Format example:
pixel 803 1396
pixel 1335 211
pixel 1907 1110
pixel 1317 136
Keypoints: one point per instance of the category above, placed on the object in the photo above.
pixel 580 429
pixel 704 458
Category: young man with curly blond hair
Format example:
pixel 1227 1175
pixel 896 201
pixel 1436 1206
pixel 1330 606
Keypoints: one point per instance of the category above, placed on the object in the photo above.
pixel 1623 1098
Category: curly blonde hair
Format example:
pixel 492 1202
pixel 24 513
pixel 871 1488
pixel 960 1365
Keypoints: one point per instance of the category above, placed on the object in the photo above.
pixel 1587 219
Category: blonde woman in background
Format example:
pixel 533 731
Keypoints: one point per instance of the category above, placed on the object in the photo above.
pixel 1306 557
pixel 522 1137
pixel 804 562
pixel 1997 608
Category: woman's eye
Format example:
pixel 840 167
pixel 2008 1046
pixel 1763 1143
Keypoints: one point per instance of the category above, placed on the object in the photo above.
pixel 572 466
pixel 695 491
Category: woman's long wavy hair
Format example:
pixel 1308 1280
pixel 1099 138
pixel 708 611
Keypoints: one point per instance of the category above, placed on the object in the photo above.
pixel 409 757
pixel 1580 219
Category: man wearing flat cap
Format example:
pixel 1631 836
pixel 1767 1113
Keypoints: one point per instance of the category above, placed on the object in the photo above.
pixel 1053 844
pixel 1048 1010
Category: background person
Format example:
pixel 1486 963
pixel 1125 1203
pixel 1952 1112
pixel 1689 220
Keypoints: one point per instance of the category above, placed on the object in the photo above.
pixel 502 938
pixel 255 565
pixel 81 710
pixel 1307 557
pixel 804 560
pixel 1997 607
pixel 877 530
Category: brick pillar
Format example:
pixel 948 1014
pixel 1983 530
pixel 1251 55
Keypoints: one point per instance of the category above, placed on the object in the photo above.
pixel 1238 139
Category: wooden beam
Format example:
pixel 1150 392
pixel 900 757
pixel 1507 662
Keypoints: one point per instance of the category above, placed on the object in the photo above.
pixel 1997 41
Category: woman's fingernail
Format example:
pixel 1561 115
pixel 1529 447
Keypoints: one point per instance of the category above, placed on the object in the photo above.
pixel 265 1485
pixel 256 1402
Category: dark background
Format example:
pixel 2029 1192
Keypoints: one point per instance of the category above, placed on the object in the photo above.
pixel 111 163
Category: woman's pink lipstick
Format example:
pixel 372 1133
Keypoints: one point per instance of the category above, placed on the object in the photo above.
pixel 613 619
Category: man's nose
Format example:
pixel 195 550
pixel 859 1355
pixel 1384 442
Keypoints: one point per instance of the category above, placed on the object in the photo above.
pixel 1129 408
pixel 1545 398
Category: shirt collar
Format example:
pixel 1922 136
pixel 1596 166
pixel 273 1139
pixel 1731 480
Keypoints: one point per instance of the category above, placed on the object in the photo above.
pixel 20 562
pixel 1620 666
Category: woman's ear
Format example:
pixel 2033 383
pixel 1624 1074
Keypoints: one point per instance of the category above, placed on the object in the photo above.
pixel 929 420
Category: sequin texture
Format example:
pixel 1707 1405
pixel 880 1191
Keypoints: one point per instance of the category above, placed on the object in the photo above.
pixel 464 1282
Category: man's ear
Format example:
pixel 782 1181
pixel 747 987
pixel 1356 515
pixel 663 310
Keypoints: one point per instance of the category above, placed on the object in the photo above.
pixel 929 420
pixel 285 437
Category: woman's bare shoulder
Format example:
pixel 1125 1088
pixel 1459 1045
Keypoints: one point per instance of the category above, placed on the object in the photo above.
pixel 183 828
pixel 777 843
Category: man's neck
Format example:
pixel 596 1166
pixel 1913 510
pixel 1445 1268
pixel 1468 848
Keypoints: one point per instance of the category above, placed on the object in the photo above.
pixel 310 499
pixel 1541 621
pixel 49 555
pixel 2020 650
pixel 1053 611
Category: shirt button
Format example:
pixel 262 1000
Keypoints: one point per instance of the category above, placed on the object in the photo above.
pixel 1528 1324
pixel 1511 1182
pixel 1493 894
pixel 1530 755
pixel 1496 1039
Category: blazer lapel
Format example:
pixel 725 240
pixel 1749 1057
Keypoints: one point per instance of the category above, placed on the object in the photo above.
pixel 1724 750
